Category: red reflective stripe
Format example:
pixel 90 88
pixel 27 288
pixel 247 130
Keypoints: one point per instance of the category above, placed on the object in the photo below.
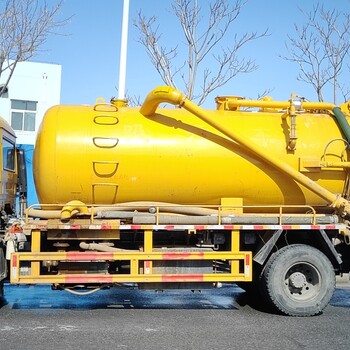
pixel 88 279
pixel 182 278
pixel 78 256
pixel 180 256
pixel 75 227
pixel 14 261
pixel 147 267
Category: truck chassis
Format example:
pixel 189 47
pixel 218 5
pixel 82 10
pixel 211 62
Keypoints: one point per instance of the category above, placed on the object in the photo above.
pixel 291 266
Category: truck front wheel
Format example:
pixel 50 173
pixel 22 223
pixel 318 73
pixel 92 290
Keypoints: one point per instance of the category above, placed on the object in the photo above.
pixel 298 280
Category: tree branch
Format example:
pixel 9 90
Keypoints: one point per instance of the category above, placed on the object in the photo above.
pixel 200 40
pixel 320 48
pixel 24 28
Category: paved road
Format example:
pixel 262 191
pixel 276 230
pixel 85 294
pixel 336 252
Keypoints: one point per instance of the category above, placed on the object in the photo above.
pixel 35 317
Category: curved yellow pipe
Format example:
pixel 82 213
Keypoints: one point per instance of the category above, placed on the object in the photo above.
pixel 176 97
pixel 162 94
pixel 43 214
pixel 73 207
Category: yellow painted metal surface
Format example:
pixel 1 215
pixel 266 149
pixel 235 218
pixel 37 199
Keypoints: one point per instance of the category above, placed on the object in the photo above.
pixel 102 154
pixel 25 275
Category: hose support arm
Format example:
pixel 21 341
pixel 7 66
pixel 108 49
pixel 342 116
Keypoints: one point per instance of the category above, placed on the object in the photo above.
pixel 167 94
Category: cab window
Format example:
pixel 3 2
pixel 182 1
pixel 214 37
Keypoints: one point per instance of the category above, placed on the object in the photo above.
pixel 8 155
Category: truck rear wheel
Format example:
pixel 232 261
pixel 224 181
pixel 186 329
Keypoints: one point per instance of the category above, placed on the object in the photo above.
pixel 298 280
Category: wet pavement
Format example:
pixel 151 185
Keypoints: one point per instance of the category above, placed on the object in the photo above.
pixel 36 317
pixel 228 297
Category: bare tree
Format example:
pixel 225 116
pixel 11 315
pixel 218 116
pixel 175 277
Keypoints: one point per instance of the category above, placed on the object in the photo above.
pixel 202 37
pixel 320 48
pixel 24 28
pixel 345 89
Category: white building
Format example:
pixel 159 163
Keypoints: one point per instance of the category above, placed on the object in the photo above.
pixel 33 88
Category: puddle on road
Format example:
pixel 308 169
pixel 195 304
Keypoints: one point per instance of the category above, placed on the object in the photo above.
pixel 228 297
pixel 341 298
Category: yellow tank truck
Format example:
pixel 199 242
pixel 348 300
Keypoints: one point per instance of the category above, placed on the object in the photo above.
pixel 252 192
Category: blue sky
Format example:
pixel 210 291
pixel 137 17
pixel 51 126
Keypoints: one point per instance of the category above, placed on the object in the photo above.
pixel 89 52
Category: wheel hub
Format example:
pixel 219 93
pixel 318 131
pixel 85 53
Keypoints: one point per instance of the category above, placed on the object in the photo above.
pixel 297 280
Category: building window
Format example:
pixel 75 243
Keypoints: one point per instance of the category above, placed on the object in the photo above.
pixel 23 115
pixel 8 155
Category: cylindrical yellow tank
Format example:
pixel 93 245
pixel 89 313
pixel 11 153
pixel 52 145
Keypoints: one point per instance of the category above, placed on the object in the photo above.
pixel 104 154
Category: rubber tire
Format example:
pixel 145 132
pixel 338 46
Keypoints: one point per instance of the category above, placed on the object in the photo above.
pixel 314 276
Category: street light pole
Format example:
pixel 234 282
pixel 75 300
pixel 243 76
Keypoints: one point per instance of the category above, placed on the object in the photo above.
pixel 123 51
